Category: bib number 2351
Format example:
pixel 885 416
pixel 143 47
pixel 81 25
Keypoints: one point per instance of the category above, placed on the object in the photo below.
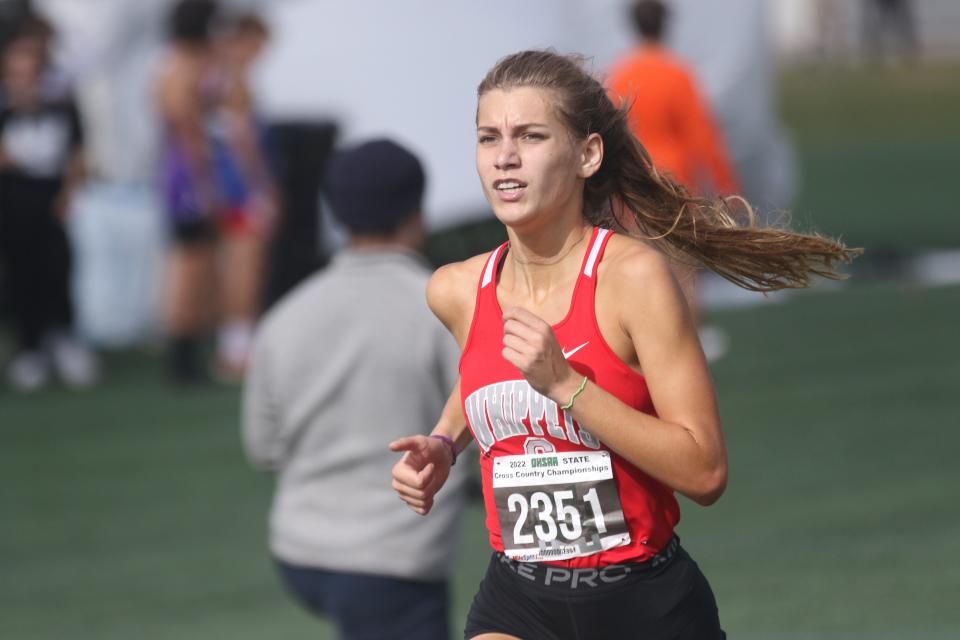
pixel 557 505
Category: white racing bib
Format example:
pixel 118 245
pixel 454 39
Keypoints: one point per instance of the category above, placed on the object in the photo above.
pixel 558 505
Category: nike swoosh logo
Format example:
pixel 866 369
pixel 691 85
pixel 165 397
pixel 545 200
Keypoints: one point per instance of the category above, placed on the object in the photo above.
pixel 567 354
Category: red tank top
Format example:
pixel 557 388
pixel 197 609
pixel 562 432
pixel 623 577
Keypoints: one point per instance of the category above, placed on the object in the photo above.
pixel 508 418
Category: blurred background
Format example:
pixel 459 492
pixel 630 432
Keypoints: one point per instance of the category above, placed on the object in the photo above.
pixel 126 507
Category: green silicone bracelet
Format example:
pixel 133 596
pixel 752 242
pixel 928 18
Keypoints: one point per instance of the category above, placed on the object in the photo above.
pixel 583 383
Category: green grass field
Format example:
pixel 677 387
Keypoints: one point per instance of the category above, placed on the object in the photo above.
pixel 129 511
pixel 877 151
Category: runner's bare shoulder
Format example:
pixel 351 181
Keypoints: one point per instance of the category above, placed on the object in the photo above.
pixel 452 292
pixel 633 271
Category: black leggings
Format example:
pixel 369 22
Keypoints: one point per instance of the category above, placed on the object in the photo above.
pixel 36 260
pixel 672 601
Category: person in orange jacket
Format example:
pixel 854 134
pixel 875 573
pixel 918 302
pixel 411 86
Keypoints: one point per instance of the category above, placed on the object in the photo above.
pixel 672 120
pixel 667 112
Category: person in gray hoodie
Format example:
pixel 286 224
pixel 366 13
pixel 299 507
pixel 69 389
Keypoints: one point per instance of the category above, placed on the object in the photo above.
pixel 345 363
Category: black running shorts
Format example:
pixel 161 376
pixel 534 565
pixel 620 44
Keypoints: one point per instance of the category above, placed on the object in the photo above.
pixel 670 600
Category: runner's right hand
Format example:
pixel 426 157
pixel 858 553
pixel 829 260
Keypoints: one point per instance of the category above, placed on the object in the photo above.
pixel 422 470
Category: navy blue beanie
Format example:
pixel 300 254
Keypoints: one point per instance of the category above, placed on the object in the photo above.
pixel 373 187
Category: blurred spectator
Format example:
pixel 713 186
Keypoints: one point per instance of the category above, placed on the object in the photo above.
pixel 40 166
pixel 247 186
pixel 348 361
pixel 669 115
pixel 185 103
pixel 890 24
pixel 667 110
pixel 216 186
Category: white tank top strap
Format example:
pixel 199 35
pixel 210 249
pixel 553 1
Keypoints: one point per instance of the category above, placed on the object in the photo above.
pixel 590 265
pixel 490 270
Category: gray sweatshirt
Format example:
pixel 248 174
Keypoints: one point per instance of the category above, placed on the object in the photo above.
pixel 347 362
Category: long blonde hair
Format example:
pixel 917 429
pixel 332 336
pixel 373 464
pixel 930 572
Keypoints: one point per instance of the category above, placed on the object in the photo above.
pixel 628 193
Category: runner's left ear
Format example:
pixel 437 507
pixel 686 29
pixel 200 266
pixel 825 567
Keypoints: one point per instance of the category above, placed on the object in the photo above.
pixel 591 155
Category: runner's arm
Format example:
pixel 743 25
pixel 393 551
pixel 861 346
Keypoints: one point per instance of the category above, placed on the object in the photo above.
pixel 426 461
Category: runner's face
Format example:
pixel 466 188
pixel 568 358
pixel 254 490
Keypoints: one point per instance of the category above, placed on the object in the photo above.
pixel 529 165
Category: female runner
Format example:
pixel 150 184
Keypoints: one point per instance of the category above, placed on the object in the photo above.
pixel 582 378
